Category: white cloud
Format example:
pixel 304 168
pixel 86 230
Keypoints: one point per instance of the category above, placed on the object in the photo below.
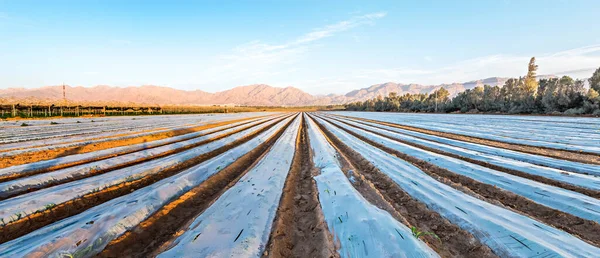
pixel 579 51
pixel 578 63
pixel 576 60
pixel 257 50
pixel 258 61
pixel 330 30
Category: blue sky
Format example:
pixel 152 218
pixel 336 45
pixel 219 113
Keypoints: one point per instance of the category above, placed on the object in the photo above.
pixel 318 46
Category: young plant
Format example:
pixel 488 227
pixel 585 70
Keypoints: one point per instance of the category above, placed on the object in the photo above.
pixel 418 234
pixel 24 124
pixel 49 206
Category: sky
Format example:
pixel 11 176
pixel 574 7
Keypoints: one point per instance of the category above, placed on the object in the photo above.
pixel 321 47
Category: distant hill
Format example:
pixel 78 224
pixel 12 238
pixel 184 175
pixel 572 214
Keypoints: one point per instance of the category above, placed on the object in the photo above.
pixel 385 88
pixel 252 95
pixel 256 95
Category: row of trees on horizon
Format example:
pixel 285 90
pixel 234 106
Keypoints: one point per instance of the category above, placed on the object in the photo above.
pixel 523 95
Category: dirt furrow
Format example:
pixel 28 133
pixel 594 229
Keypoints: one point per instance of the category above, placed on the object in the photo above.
pixel 155 233
pixel 299 229
pixel 35 221
pixel 585 229
pixel 117 134
pixel 455 242
pixel 31 157
pixel 583 157
pixel 541 179
pixel 135 162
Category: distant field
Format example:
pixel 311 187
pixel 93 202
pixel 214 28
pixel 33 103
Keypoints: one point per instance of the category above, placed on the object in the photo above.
pixel 45 111
pixel 300 184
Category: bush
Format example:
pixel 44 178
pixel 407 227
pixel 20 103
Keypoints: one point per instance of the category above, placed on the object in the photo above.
pixel 574 111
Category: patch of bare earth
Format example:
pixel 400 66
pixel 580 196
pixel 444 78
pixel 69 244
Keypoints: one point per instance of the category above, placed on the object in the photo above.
pixel 299 229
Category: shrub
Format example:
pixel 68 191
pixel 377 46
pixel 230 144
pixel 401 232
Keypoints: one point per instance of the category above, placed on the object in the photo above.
pixel 574 111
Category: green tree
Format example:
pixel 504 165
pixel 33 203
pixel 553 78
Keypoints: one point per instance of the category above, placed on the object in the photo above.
pixel 595 80
pixel 492 99
pixel 510 94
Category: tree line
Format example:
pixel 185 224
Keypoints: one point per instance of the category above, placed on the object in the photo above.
pixel 523 95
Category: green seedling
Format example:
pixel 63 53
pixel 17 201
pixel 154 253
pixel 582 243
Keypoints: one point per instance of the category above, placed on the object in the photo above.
pixel 68 255
pixel 24 124
pixel 53 123
pixel 418 234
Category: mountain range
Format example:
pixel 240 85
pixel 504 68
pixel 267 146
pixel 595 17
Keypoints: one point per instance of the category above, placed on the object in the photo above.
pixel 251 95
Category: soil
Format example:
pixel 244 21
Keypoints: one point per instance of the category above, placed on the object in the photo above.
pixel 35 221
pixel 585 229
pixel 31 157
pixel 589 158
pixel 455 242
pixel 156 233
pixel 147 158
pixel 541 179
pixel 300 229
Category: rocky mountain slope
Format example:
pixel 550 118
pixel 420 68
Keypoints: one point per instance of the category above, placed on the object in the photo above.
pixel 256 95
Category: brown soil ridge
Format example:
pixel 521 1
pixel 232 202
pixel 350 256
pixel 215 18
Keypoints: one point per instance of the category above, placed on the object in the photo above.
pixel 538 178
pixel 455 242
pixel 583 157
pixel 299 229
pixel 156 232
pixel 31 157
pixel 79 134
pixel 38 220
pixel 583 228
pixel 135 162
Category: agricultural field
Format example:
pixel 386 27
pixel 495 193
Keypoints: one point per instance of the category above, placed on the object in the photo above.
pixel 298 184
